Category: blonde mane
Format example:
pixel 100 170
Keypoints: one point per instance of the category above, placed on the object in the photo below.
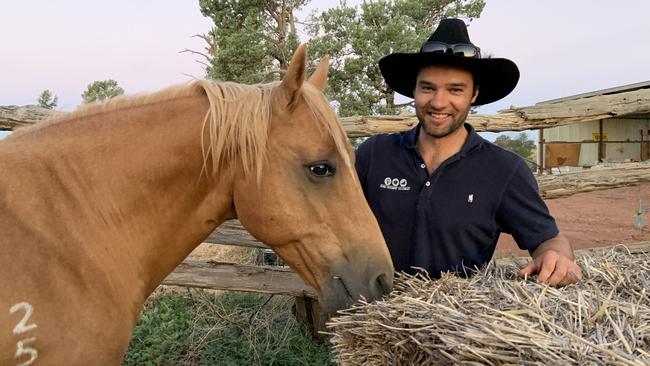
pixel 237 122
pixel 239 119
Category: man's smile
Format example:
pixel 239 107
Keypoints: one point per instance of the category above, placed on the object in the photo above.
pixel 438 117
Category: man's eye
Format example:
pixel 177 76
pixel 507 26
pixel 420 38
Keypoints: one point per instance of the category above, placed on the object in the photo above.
pixel 321 170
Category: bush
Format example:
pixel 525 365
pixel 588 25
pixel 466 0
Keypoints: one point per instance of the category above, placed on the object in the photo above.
pixel 161 335
pixel 198 327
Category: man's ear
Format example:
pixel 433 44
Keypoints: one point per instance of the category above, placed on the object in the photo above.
pixel 475 94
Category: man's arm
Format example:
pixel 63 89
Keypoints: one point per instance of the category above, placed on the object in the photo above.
pixel 553 263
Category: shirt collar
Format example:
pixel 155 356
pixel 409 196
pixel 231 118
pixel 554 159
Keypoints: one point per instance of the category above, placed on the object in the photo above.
pixel 410 137
pixel 473 141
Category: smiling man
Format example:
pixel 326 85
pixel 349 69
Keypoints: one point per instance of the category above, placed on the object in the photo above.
pixel 441 193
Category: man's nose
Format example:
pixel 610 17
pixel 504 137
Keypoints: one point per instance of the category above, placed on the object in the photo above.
pixel 439 99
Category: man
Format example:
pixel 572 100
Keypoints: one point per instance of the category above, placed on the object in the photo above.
pixel 441 193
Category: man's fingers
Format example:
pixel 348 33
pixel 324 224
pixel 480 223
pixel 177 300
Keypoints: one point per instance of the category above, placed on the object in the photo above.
pixel 547 269
pixel 529 270
pixel 574 274
pixel 558 275
pixel 553 270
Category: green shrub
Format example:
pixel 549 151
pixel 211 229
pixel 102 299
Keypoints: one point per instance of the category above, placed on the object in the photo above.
pixel 198 327
pixel 161 335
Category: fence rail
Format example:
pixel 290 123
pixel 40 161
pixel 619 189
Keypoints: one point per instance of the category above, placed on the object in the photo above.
pixel 239 277
pixel 274 280
pixel 513 119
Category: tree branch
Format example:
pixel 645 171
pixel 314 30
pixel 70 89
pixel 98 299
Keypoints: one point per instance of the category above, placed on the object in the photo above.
pixel 187 50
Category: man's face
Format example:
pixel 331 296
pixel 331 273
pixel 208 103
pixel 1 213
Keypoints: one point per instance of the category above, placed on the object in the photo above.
pixel 443 96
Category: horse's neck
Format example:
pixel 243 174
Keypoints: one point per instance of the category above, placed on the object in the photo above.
pixel 133 178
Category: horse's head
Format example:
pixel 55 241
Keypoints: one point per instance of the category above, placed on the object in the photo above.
pixel 307 203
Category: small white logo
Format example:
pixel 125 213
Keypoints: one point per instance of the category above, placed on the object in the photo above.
pixel 395 184
pixel 470 198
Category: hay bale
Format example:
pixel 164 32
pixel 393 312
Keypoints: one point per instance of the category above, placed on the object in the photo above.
pixel 497 318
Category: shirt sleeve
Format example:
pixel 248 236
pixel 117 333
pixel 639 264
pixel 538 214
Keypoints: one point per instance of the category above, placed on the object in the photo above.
pixel 522 211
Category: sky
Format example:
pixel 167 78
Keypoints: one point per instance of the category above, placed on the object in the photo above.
pixel 562 47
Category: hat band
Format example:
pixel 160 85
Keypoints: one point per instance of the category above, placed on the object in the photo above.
pixel 458 49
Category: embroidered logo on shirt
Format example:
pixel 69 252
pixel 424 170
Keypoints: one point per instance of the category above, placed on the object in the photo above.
pixel 470 198
pixel 395 184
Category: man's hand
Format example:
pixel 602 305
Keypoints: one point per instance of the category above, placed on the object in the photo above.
pixel 553 263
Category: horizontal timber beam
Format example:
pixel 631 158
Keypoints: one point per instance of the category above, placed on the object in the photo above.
pixel 283 281
pixel 633 103
pixel 239 277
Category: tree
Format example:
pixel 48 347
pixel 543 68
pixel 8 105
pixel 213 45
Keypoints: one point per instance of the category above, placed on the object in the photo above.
pixel 252 40
pixel 357 38
pixel 47 100
pixel 520 145
pixel 99 91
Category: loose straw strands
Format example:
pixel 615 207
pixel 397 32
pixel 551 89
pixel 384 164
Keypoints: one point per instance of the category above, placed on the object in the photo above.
pixel 497 318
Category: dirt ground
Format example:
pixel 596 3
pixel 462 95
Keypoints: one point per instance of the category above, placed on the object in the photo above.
pixel 596 219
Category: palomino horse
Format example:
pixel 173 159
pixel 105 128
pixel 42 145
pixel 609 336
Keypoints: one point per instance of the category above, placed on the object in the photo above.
pixel 97 207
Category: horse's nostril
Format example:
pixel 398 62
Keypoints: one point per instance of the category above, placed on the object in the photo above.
pixel 383 284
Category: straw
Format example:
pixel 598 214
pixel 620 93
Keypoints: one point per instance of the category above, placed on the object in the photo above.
pixel 498 318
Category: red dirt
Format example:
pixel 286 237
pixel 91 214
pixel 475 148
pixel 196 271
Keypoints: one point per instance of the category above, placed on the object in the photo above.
pixel 596 219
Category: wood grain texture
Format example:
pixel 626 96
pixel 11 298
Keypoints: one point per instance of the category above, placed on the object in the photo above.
pixel 238 277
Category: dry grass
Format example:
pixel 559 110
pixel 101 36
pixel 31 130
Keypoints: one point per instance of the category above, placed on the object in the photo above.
pixel 496 318
pixel 199 327
pixel 225 253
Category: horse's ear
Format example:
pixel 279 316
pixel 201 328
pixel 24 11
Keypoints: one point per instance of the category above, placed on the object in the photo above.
pixel 319 77
pixel 295 75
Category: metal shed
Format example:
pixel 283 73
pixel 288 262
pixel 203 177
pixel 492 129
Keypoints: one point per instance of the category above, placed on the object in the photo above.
pixel 619 139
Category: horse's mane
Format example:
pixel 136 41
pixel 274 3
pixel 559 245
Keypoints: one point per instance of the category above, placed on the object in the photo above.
pixel 237 122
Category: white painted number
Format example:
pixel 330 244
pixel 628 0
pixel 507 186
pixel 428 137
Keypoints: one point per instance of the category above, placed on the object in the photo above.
pixel 23 327
pixel 22 350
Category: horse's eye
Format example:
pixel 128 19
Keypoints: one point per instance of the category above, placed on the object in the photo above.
pixel 321 170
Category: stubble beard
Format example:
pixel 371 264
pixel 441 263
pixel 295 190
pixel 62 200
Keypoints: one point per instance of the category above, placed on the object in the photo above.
pixel 453 127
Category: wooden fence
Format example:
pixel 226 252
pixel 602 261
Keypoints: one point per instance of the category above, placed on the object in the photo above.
pixel 283 281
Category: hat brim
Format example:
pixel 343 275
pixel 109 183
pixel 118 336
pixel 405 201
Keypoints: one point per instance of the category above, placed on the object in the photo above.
pixel 496 77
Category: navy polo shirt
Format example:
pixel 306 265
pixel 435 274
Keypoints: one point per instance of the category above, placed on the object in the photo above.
pixel 450 220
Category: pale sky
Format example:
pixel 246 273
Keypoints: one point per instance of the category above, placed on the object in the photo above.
pixel 561 47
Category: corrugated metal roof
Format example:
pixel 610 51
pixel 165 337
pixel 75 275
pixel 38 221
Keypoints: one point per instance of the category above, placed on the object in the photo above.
pixel 615 90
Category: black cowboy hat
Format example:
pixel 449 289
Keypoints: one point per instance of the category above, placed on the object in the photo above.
pixel 450 45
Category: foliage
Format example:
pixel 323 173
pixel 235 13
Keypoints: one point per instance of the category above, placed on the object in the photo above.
pixel 162 332
pixel 198 327
pixel 520 145
pixel 47 99
pixel 252 40
pixel 99 91
pixel 356 38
